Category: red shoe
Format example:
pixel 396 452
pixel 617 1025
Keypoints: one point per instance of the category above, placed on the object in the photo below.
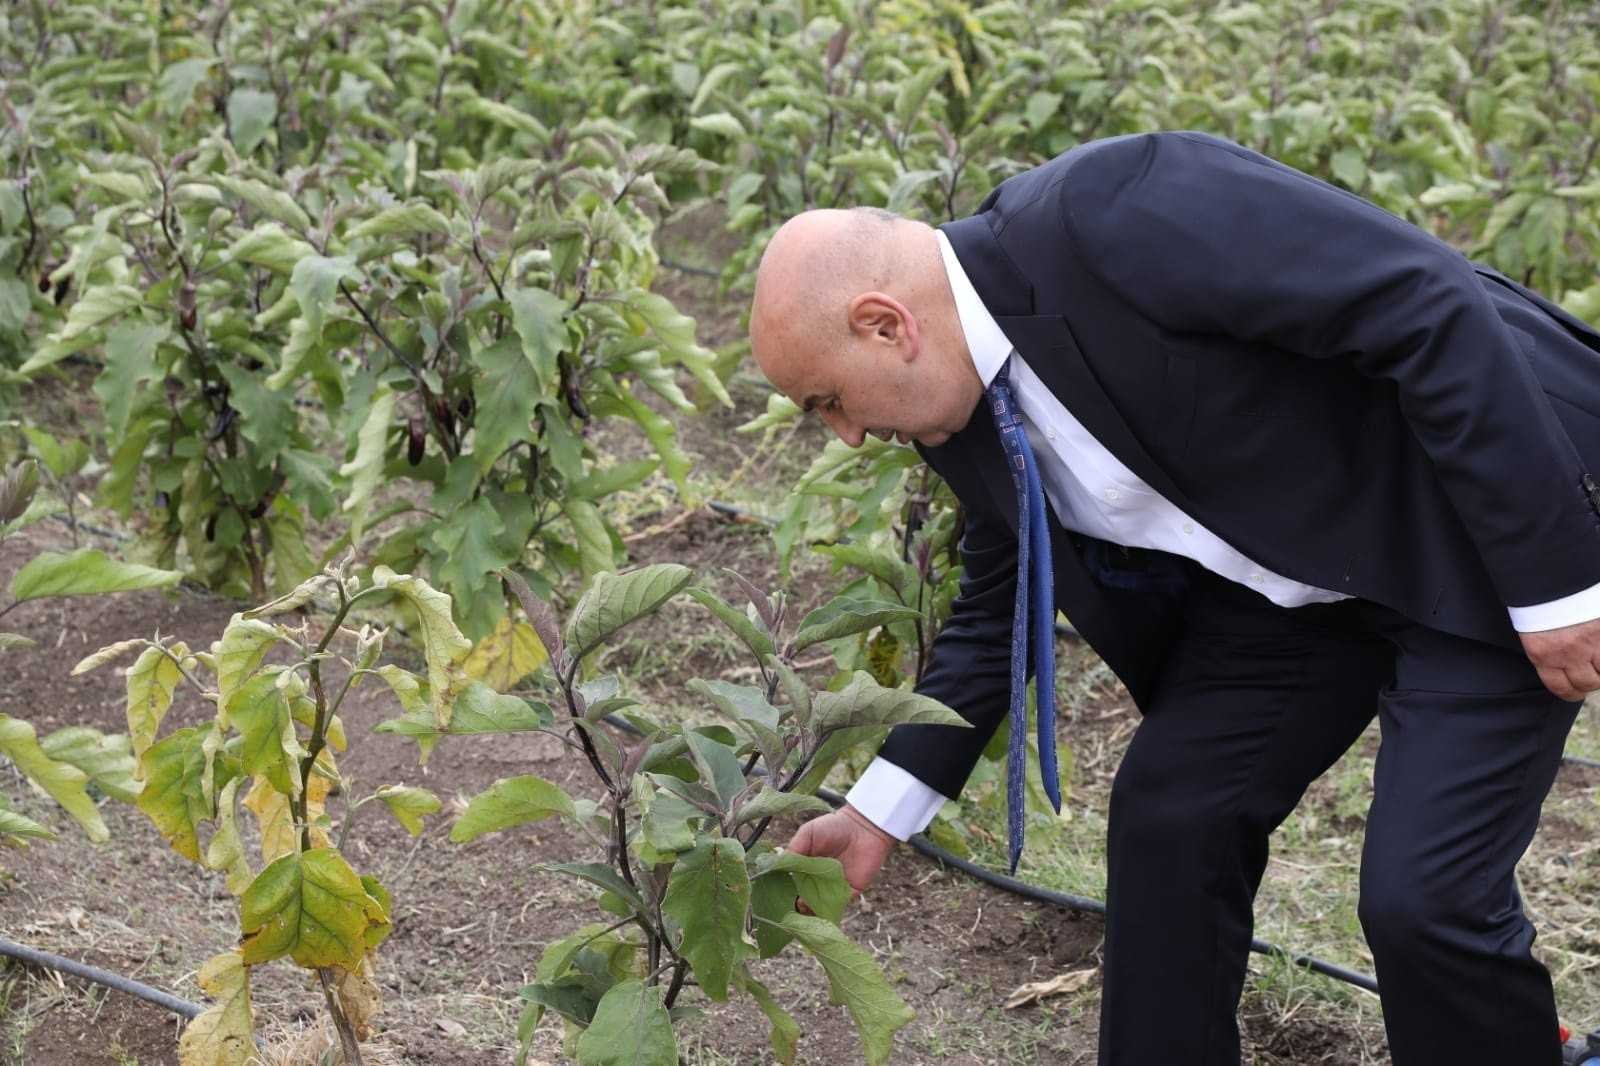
pixel 1580 1050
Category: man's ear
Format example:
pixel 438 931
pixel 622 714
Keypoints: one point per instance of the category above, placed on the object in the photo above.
pixel 880 318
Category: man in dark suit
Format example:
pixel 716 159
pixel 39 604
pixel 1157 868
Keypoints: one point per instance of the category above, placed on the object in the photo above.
pixel 1305 465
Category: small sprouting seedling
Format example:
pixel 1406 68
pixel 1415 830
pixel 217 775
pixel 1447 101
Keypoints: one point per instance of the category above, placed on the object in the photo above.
pixel 693 887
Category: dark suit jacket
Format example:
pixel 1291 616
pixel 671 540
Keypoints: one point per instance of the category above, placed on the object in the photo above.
pixel 1343 398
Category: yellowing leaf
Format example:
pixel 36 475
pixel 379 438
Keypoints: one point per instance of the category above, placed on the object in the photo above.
pixel 276 821
pixel 418 720
pixel 785 1030
pixel 592 538
pixel 864 702
pixel 312 907
pixel 294 599
pixel 443 646
pixel 97 306
pixel 402 220
pixel 408 805
pixel 222 1035
pixel 244 644
pixel 105 758
pixel 104 655
pixel 506 656
pixel 359 997
pixel 274 203
pixel 18 830
pixel 303 709
pixel 270 747
pixel 508 116
pixel 614 600
pixel 151 681
pixel 62 781
pixel 174 793
pixel 268 245
pixel 225 851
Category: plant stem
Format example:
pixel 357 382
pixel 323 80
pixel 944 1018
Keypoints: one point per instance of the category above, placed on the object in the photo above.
pixel 175 662
pixel 619 825
pixel 566 679
pixel 678 975
pixel 319 727
pixel 350 811
pixel 799 772
pixel 348 1044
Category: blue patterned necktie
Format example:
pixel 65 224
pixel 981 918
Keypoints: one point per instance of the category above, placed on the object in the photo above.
pixel 1035 604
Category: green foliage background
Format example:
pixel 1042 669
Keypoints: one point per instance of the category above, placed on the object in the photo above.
pixel 323 252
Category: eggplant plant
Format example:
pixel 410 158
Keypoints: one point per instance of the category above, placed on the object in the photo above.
pixel 695 893
pixel 271 748
pixel 314 256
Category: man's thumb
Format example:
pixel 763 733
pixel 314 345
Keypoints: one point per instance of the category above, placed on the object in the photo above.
pixel 801 844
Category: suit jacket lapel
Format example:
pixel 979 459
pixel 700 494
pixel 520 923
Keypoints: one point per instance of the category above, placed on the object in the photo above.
pixel 1048 346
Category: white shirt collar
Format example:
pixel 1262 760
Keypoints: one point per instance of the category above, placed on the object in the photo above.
pixel 985 340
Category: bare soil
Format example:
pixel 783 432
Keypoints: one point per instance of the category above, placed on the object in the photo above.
pixel 469 921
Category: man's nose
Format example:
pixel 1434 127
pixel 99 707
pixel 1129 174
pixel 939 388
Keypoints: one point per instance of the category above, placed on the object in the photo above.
pixel 844 429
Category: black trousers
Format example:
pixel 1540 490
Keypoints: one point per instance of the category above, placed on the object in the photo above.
pixel 1256 702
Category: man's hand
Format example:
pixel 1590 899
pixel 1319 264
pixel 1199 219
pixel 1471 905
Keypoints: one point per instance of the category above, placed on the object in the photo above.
pixel 848 836
pixel 1568 659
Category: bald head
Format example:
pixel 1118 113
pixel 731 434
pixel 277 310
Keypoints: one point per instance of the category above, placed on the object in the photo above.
pixel 818 261
pixel 859 298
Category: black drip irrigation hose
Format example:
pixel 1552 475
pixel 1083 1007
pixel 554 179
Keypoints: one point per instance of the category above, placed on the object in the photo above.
pixel 924 846
pixel 921 844
pixel 99 531
pixel 45 960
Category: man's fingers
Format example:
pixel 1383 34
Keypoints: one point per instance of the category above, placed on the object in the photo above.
pixel 1583 678
pixel 1567 659
pixel 1558 683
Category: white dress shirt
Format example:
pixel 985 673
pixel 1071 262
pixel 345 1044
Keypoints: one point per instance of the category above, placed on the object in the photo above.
pixel 1092 492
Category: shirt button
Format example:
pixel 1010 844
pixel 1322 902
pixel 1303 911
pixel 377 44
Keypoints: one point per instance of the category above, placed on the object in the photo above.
pixel 1258 577
pixel 1050 435
pixel 1112 494
pixel 1188 527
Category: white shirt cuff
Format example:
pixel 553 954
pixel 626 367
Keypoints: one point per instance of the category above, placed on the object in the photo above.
pixel 1567 611
pixel 894 801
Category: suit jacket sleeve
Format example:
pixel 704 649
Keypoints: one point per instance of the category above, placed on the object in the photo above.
pixel 969 667
pixel 1203 236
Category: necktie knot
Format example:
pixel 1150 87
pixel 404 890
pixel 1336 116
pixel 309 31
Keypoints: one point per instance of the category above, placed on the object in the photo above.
pixel 1002 403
